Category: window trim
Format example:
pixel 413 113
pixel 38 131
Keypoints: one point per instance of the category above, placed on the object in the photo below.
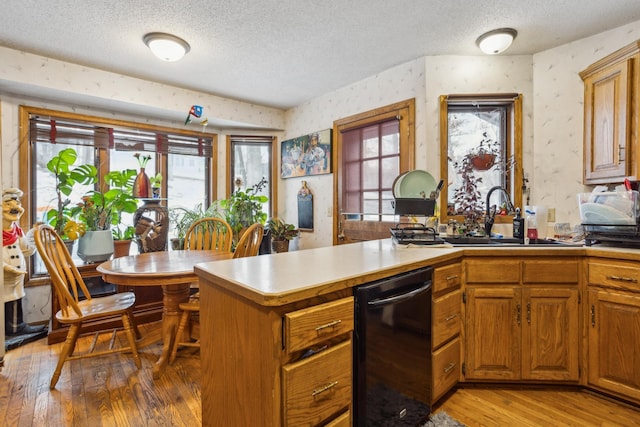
pixel 514 140
pixel 405 112
pixel 26 171
pixel 229 188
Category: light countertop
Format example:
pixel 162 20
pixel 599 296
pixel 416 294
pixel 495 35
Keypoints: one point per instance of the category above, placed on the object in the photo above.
pixel 279 279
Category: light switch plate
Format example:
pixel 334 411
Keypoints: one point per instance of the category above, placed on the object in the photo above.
pixel 551 215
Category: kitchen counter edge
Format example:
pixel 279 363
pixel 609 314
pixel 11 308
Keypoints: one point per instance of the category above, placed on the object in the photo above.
pixel 280 279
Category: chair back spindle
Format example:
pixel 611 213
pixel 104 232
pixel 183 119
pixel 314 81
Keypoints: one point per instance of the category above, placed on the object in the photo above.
pixel 213 234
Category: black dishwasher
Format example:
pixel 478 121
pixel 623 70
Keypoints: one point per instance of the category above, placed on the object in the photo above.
pixel 392 354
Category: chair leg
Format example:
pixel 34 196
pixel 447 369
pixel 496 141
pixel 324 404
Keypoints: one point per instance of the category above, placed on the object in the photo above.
pixel 184 320
pixel 134 323
pixel 128 330
pixel 67 350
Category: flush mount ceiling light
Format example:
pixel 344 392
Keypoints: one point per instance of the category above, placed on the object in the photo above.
pixel 166 46
pixel 496 41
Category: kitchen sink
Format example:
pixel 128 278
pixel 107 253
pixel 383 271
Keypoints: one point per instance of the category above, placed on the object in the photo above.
pixel 496 241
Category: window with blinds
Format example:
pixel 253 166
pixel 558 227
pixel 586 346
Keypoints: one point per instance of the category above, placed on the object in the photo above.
pixel 184 159
pixel 371 162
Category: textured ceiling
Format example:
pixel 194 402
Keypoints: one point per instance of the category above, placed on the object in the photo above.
pixel 285 52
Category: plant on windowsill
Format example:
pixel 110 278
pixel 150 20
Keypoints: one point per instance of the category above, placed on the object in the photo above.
pixel 467 198
pixel 242 208
pixel 66 176
pixel 281 233
pixel 102 215
pixel 156 183
pixel 181 219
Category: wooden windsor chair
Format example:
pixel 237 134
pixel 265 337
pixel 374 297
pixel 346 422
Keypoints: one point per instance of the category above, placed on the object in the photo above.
pixel 248 245
pixel 77 306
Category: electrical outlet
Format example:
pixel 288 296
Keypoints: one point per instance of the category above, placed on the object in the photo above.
pixel 551 215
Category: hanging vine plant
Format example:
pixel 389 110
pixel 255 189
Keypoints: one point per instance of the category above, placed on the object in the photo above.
pixel 467 198
pixel 485 156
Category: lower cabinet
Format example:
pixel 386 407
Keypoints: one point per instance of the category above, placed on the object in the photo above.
pixel 614 328
pixel 276 366
pixel 519 325
pixel 445 329
pixel 318 386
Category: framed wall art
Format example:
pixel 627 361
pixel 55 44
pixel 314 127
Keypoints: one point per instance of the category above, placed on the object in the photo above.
pixel 306 155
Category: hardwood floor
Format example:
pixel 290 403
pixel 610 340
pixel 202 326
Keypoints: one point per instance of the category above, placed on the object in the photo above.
pixel 109 391
pixel 535 406
pixel 100 391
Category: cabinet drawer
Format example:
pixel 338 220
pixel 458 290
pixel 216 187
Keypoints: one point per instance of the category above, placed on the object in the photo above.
pixel 316 388
pixel 550 271
pixel 446 368
pixel 447 277
pixel 446 318
pixel 310 326
pixel 492 271
pixel 343 420
pixel 617 275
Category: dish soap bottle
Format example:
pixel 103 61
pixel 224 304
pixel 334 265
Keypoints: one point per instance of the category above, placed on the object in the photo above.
pixel 518 225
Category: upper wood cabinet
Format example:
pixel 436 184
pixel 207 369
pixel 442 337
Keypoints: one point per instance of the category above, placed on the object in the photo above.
pixel 611 96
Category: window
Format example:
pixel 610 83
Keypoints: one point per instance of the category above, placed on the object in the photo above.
pixel 371 149
pixel 251 159
pixel 184 158
pixel 481 147
pixel 371 162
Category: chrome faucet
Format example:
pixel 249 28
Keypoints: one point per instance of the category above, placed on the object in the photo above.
pixel 489 216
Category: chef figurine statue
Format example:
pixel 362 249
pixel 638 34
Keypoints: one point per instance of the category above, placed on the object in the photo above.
pixel 15 247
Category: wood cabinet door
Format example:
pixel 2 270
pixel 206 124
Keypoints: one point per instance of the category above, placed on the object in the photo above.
pixel 614 342
pixel 606 123
pixel 493 318
pixel 550 334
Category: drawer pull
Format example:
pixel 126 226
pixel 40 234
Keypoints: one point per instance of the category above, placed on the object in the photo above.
pixel 453 316
pixel 328 325
pixel 623 279
pixel 449 368
pixel 324 388
pixel 455 276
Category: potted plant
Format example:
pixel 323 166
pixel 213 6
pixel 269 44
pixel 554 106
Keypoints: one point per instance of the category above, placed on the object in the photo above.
pixel 181 219
pixel 156 183
pixel 242 208
pixel 66 175
pixel 484 157
pixel 121 185
pixel 281 233
pixel 122 238
pixel 467 198
pixel 102 212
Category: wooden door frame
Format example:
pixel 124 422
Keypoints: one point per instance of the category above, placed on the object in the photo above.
pixel 405 111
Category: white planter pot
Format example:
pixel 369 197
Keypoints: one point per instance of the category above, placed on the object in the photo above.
pixel 95 246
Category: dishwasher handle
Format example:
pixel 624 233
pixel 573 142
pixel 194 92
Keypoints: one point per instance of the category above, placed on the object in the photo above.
pixel 400 297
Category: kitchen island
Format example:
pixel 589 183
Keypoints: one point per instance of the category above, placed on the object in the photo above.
pixel 256 313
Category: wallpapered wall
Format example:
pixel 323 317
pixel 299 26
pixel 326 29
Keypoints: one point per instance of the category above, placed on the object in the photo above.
pixel 552 123
pixel 558 117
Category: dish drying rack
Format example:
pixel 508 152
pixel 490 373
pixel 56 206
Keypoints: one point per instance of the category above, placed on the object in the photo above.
pixel 612 234
pixel 416 234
